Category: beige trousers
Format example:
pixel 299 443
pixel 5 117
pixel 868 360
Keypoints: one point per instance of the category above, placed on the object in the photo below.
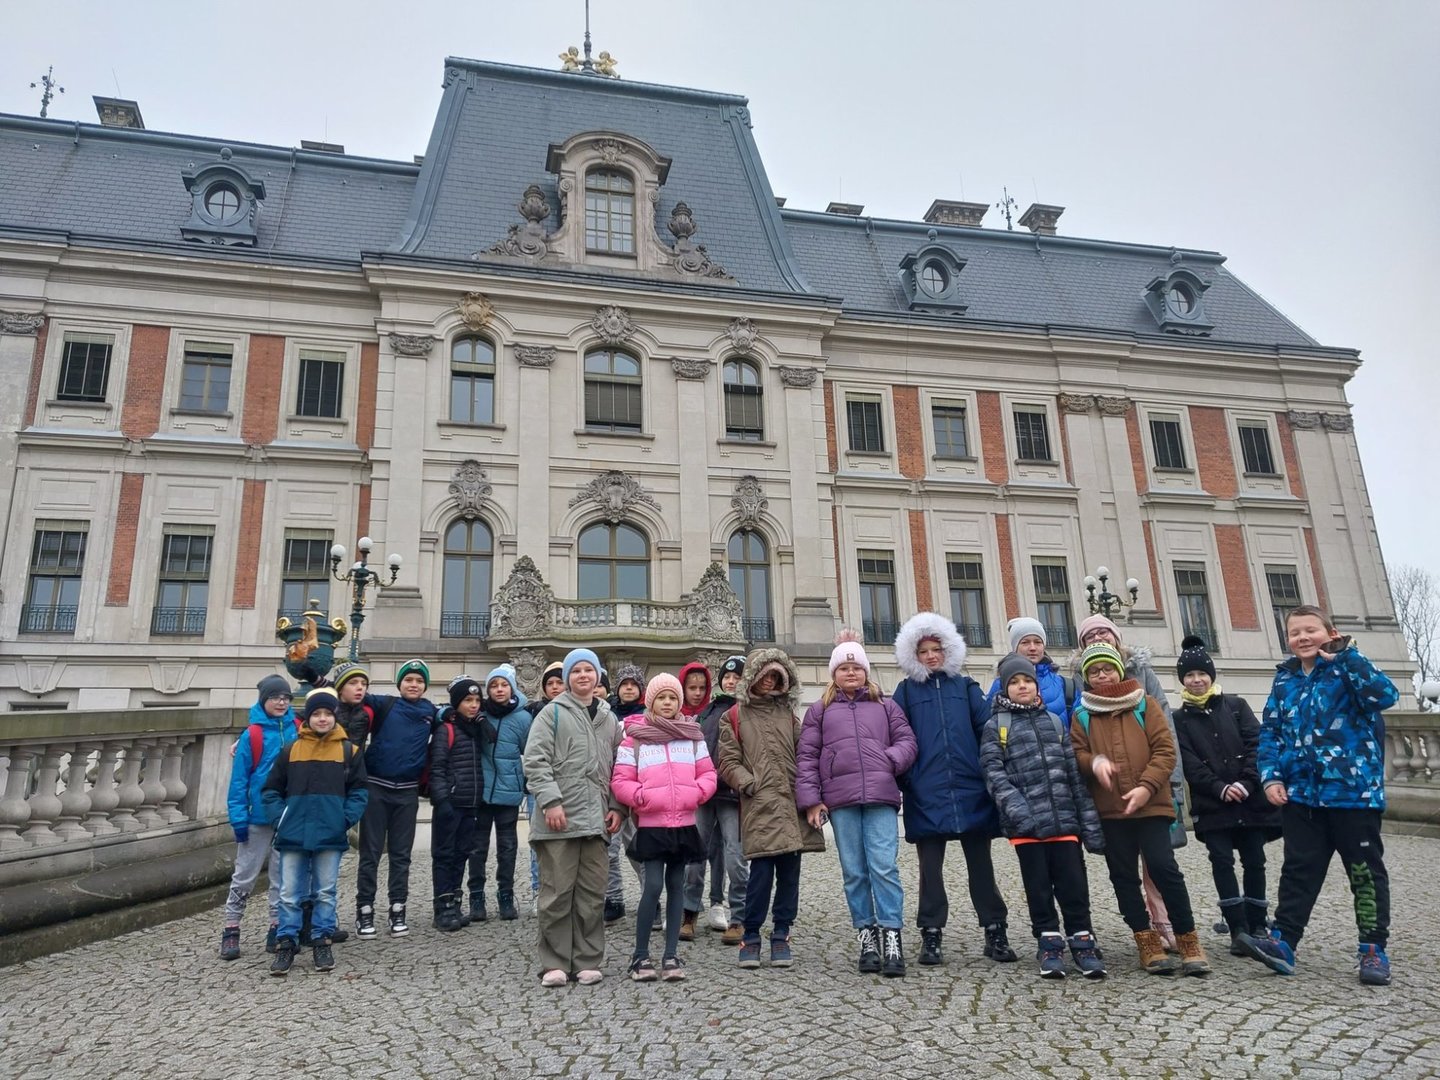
pixel 571 910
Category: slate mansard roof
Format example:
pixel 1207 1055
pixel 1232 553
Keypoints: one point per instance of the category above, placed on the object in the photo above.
pixel 98 186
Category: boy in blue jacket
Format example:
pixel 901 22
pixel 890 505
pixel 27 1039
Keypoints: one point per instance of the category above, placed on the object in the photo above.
pixel 1322 761
pixel 398 751
pixel 271 729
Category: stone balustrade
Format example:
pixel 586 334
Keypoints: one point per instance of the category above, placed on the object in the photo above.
pixel 1412 749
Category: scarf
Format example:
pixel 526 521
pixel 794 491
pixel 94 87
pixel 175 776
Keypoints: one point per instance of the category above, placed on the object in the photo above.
pixel 657 729
pixel 1004 704
pixel 1201 701
pixel 1121 698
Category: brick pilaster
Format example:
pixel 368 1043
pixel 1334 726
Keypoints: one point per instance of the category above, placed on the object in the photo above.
pixel 1154 566
pixel 839 573
pixel 831 453
pixel 362 514
pixel 1292 458
pixel 37 365
pixel 1007 566
pixel 122 552
pixel 992 437
pixel 144 381
pixel 920 555
pixel 1322 596
pixel 247 546
pixel 1213 455
pixel 1235 572
pixel 260 418
pixel 909 435
pixel 365 406
pixel 1137 453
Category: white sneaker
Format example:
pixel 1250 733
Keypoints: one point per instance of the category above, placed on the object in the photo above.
pixel 719 918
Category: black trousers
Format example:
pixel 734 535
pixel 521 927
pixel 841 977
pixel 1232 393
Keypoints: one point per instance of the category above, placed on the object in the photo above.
pixel 452 839
pixel 1314 836
pixel 782 872
pixel 503 820
pixel 389 820
pixel 1126 840
pixel 1223 845
pixel 1054 871
pixel 933 909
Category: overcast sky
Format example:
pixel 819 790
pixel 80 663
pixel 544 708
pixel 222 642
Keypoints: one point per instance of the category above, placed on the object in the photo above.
pixel 1299 138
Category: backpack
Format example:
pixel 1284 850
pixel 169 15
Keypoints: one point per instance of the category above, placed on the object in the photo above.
pixel 1003 726
pixel 1083 715
pixel 1067 687
pixel 423 784
pixel 733 715
pixel 256 734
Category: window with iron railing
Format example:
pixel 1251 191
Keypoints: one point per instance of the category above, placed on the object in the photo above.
pixel 1283 583
pixel 1052 602
pixel 467 579
pixel 183 595
pixel 879 622
pixel 749 571
pixel 305 571
pixel 966 576
pixel 52 594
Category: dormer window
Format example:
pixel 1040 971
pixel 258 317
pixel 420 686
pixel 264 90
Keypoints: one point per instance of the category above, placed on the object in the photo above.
pixel 609 212
pixel 224 203
pixel 931 276
pixel 1177 301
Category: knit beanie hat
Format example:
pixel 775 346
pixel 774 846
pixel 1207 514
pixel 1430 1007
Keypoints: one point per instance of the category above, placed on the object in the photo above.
pixel 735 664
pixel 556 668
pixel 605 680
pixel 630 673
pixel 461 687
pixel 413 667
pixel 663 681
pixel 849 652
pixel 343 673
pixel 323 698
pixel 1101 653
pixel 1098 622
pixel 1193 657
pixel 1024 627
pixel 273 686
pixel 576 656
pixel 1013 665
pixel 506 672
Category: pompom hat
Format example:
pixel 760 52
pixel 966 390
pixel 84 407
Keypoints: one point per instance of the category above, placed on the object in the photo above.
pixel 1193 657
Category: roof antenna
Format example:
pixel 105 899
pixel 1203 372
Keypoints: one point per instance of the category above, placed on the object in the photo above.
pixel 118 92
pixel 1007 204
pixel 52 88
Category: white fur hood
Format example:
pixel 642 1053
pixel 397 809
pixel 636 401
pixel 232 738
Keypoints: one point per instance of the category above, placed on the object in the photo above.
pixel 915 630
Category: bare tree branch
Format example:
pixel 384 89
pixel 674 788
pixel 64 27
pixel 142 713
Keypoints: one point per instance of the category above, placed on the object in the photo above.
pixel 1417 608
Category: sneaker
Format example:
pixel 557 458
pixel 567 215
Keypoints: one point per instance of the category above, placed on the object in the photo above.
pixel 1050 956
pixel 1086 955
pixel 930 955
pixel 779 951
pixel 337 936
pixel 893 966
pixel 553 978
pixel 672 969
pixel 614 911
pixel 324 958
pixel 687 926
pixel 997 945
pixel 1374 966
pixel 589 977
pixel 869 940
pixel 718 919
pixel 507 907
pixel 642 970
pixel 1273 952
pixel 750 954
pixel 398 926
pixel 270 937
pixel 230 943
pixel 284 957
pixel 365 921
pixel 734 934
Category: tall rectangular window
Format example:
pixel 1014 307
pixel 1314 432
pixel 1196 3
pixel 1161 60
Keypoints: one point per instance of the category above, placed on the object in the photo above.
pixel 322 379
pixel 183 594
pixel 1052 599
pixel 744 401
pixel 305 574
pixel 1167 439
pixel 613 388
pixel 609 212
pixel 967 598
pixel 84 367
pixel 867 427
pixel 1284 585
pixel 1194 593
pixel 1032 434
pixel 1255 447
pixel 205 377
pixel 52 595
pixel 951 440
pixel 472 381
pixel 877 597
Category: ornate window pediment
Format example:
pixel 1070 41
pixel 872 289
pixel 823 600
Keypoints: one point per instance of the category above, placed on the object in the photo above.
pixel 1177 301
pixel 931 279
pixel 224 203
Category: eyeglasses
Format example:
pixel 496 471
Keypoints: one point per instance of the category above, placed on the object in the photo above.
pixel 279 697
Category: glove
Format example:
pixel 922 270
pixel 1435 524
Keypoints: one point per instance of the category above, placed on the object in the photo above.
pixel 242 833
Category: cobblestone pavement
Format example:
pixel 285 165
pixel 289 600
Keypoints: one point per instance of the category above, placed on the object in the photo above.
pixel 159 1004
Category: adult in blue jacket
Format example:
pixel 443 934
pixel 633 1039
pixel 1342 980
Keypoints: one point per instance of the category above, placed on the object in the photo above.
pixel 944 791
pixel 1059 692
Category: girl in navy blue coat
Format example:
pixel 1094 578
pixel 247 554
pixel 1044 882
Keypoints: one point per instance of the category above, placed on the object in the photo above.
pixel 945 794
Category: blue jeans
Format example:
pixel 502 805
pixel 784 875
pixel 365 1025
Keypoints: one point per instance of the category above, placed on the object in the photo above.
pixel 304 874
pixel 868 840
pixel 534 862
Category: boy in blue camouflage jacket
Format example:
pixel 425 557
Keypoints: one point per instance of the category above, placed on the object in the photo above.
pixel 1322 761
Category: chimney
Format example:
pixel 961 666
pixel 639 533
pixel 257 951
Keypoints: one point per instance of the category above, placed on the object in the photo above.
pixel 849 209
pixel 322 147
pixel 1040 218
pixel 119 113
pixel 949 212
pixel 779 200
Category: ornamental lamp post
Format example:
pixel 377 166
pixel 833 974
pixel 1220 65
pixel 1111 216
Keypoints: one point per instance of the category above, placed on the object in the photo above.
pixel 361 576
pixel 1430 693
pixel 1105 602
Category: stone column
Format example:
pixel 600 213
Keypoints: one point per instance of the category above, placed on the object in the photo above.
pixel 691 388
pixel 152 787
pixel 17 353
pixel 45 804
pixel 104 796
pixel 129 792
pixel 532 419
pixel 175 789
pixel 75 802
pixel 14 807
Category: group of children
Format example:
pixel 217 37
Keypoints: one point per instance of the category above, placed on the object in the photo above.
pixel 1056 764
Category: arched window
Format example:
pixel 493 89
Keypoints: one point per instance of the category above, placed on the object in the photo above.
pixel 750 578
pixel 469 573
pixel 609 212
pixel 744 401
pixel 614 563
pixel 472 381
pixel 612 391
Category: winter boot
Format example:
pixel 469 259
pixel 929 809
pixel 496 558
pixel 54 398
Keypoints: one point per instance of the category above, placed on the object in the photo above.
pixel 230 943
pixel 1255 922
pixel 454 917
pixel 893 966
pixel 869 939
pixel 365 921
pixel 1050 956
pixel 1086 955
pixel 477 908
pixel 1233 911
pixel 614 911
pixel 442 907
pixel 1273 951
pixel 930 954
pixel 1153 957
pixel 734 934
pixel 339 935
pixel 398 926
pixel 997 945
pixel 507 906
pixel 1192 956
pixel 307 917
pixel 284 957
pixel 324 958
pixel 1374 965
pixel 687 926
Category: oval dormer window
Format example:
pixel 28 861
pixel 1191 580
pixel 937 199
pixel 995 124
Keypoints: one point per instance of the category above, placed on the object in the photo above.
pixel 1180 299
pixel 222 202
pixel 933 278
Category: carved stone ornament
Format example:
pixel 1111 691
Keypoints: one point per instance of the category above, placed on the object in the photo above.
pixel 470 487
pixel 691 258
pixel 412 344
pixel 1077 403
pixel 616 492
pixel 797 376
pixel 742 334
pixel 528 240
pixel 749 501
pixel 521 607
pixel 1305 420
pixel 1112 406
pixel 476 311
pixel 20 322
pixel 1335 421
pixel 717 610
pixel 529 667
pixel 685 368
pixel 610 150
pixel 541 356
pixel 613 325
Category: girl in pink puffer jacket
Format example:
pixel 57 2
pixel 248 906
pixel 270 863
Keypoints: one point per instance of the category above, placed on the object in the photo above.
pixel 663 772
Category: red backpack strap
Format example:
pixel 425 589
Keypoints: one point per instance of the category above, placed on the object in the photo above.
pixel 449 735
pixel 257 745
pixel 734 714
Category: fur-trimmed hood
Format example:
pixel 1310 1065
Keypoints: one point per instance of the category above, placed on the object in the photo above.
pixel 929 624
pixel 756 664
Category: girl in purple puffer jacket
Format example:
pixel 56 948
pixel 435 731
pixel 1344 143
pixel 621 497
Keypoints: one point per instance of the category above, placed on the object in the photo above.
pixel 853 745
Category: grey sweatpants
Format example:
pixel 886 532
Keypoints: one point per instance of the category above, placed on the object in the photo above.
pixel 250 858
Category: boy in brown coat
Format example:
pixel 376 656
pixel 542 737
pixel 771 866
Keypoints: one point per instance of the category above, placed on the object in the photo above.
pixel 1127 764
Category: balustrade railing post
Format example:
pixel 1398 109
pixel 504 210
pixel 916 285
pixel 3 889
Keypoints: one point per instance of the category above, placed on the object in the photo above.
pixel 175 789
pixel 129 792
pixel 75 801
pixel 104 796
pixel 14 807
pixel 45 802
pixel 1398 759
pixel 151 787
